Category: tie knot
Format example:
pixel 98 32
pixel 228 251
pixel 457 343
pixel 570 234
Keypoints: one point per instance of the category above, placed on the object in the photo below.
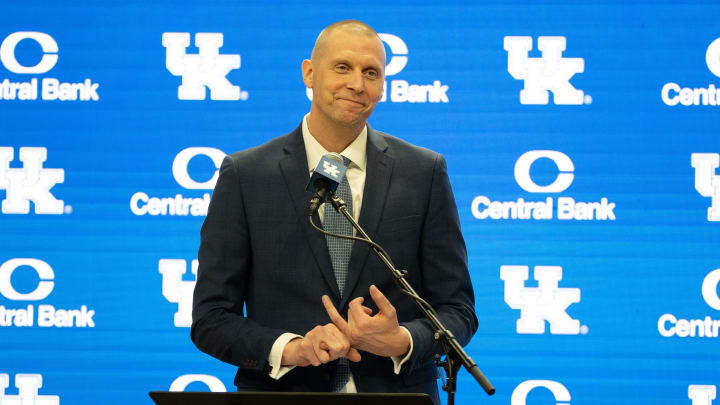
pixel 346 161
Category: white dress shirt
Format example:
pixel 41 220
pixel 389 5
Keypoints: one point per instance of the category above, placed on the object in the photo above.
pixel 357 153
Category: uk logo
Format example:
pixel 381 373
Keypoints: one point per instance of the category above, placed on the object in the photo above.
pixel 701 394
pixel 707 183
pixel 32 182
pixel 28 386
pixel 546 302
pixel 178 291
pixel 206 69
pixel 551 72
pixel 331 169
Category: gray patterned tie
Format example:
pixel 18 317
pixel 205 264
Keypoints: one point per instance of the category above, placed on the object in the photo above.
pixel 340 257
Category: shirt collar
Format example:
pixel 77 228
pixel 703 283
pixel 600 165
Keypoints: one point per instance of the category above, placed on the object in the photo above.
pixel 356 151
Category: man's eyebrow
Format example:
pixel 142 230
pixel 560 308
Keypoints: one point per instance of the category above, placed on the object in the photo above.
pixel 371 65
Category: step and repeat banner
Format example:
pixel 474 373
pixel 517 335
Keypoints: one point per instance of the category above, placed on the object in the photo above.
pixel 581 142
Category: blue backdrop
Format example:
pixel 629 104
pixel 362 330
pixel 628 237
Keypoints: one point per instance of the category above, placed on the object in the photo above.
pixel 580 139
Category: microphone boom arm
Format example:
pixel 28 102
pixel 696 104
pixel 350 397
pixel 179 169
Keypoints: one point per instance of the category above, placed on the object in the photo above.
pixel 442 334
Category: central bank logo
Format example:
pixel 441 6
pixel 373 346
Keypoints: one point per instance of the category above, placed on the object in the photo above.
pixel 702 394
pixel 32 182
pixel 669 325
pixel 402 91
pixel 206 69
pixel 44 315
pixel 520 393
pixel 210 381
pixel 28 388
pixel 546 302
pixel 672 94
pixel 143 204
pixel 550 73
pixel 707 182
pixel 567 208
pixel 178 291
pixel 49 88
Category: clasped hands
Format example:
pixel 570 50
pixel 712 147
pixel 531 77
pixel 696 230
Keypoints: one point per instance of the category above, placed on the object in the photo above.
pixel 379 334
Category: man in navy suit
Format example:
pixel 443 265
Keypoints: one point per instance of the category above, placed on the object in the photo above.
pixel 267 298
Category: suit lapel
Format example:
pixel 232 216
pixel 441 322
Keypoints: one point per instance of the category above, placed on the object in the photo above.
pixel 294 168
pixel 377 179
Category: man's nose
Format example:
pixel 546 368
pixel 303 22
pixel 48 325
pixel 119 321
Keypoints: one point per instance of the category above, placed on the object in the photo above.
pixel 356 82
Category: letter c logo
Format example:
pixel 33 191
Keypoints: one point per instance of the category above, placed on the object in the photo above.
pixel 43 289
pixel 48 44
pixel 180 164
pixel 709 289
pixel 562 161
pixel 183 381
pixel 519 395
pixel 399 58
pixel 712 57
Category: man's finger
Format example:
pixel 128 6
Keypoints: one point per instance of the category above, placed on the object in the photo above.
pixel 321 354
pixel 367 310
pixel 382 303
pixel 335 316
pixel 353 355
pixel 356 309
pixel 308 352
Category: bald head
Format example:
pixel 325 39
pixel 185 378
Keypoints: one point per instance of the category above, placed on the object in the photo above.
pixel 351 27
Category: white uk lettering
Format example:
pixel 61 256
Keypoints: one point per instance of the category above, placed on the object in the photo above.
pixel 331 169
pixel 551 72
pixel 547 302
pixel 30 183
pixel 176 290
pixel 702 394
pixel 208 68
pixel 707 183
pixel 28 386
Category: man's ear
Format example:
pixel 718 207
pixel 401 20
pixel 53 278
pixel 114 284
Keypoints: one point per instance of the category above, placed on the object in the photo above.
pixel 307 71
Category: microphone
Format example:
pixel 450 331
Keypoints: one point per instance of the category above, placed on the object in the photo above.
pixel 325 179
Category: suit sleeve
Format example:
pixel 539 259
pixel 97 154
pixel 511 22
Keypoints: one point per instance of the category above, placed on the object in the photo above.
pixel 225 265
pixel 446 280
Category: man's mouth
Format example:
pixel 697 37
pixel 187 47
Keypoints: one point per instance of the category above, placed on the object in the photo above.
pixel 352 101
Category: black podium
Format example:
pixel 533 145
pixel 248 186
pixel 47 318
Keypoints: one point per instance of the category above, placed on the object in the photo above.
pixel 286 398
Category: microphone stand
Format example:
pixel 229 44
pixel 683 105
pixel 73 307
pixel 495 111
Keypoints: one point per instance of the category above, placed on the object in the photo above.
pixel 455 355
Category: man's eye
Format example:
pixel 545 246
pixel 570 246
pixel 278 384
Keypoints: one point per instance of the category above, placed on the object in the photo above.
pixel 341 68
pixel 371 74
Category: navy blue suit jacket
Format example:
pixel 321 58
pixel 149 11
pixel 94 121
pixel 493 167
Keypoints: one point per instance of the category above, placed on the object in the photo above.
pixel 263 269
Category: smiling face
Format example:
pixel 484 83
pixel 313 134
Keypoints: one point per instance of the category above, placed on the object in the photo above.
pixel 346 74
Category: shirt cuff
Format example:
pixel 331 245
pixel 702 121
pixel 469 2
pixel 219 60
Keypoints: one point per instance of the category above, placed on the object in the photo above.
pixel 275 357
pixel 397 360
